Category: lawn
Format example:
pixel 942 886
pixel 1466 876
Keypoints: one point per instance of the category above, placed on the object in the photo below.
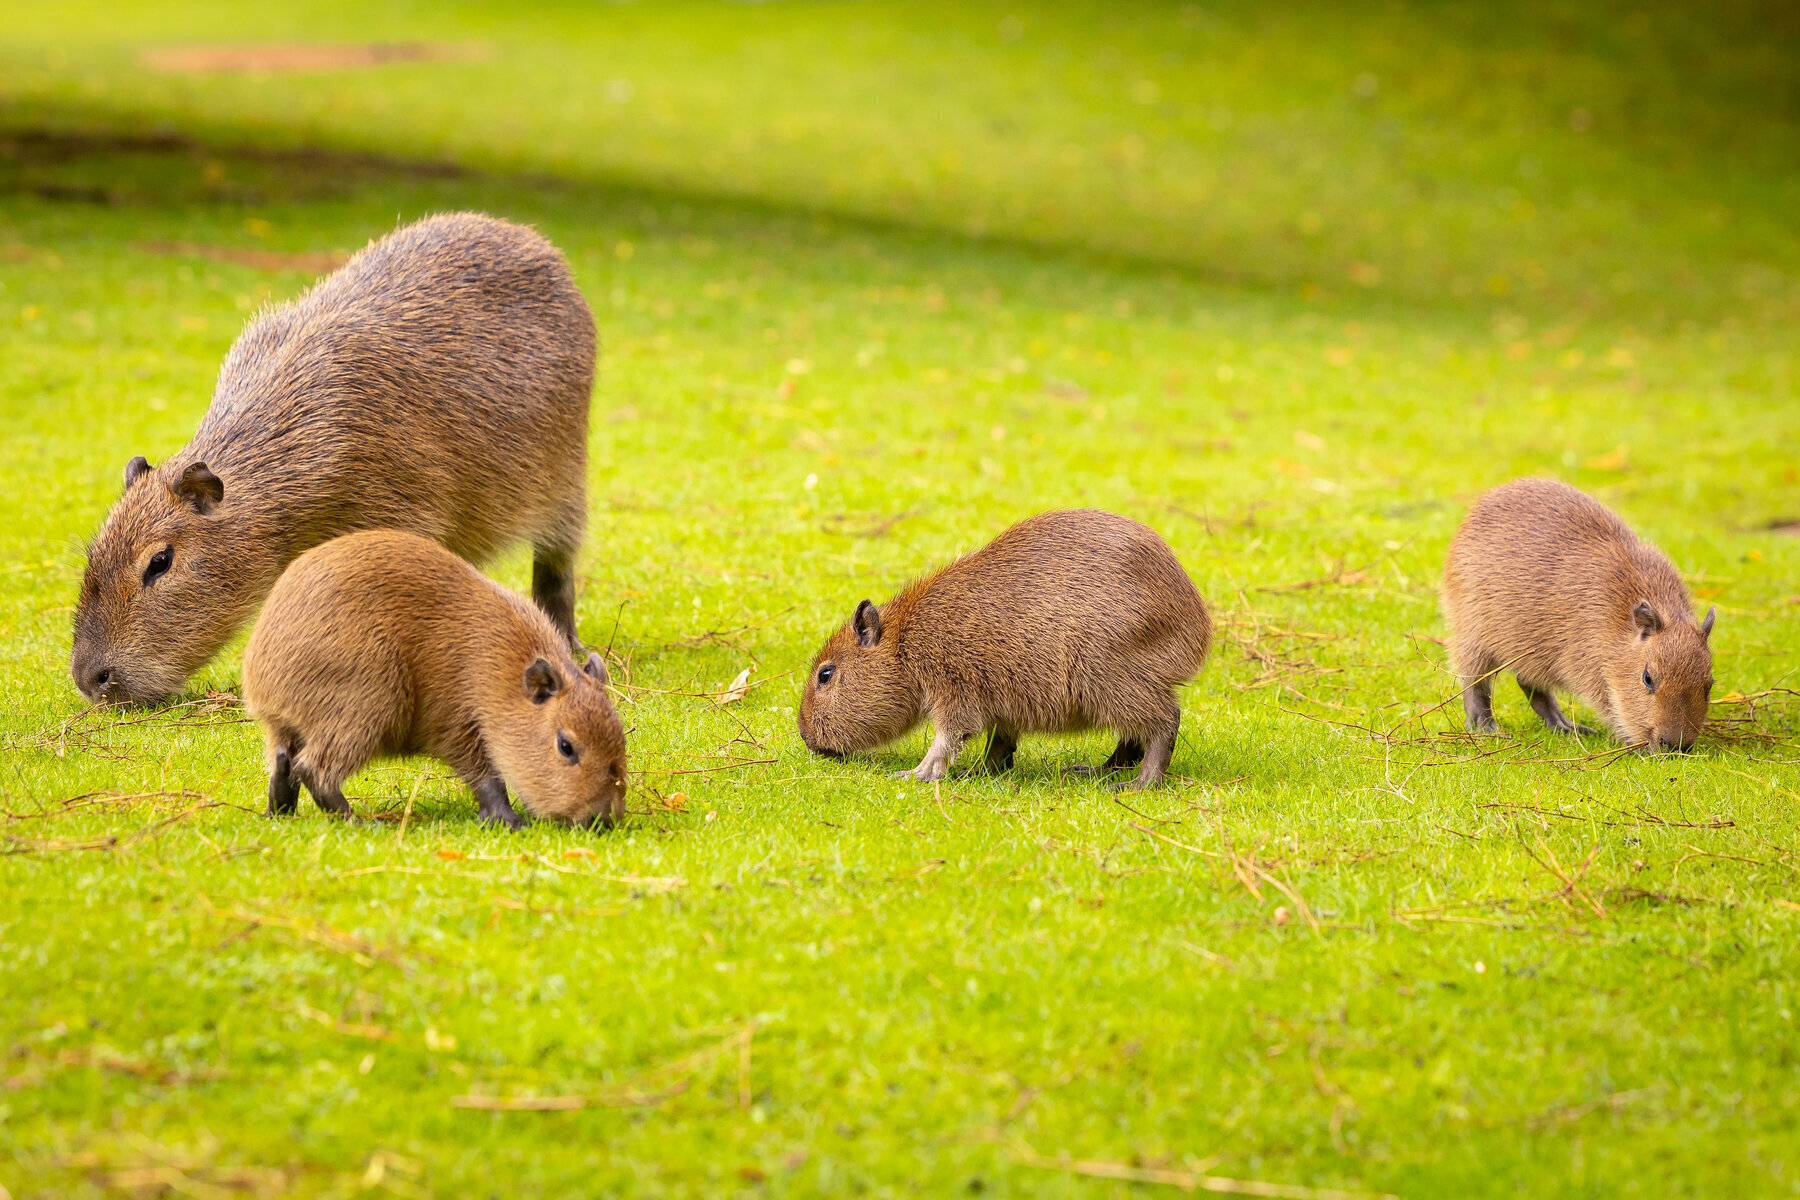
pixel 874 281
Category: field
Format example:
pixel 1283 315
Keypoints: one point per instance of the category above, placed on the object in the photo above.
pixel 872 282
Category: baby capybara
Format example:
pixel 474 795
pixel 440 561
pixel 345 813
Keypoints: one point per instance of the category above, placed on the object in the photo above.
pixel 382 643
pixel 438 382
pixel 1067 621
pixel 1550 584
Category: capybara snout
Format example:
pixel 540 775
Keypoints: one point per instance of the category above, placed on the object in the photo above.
pixel 1674 685
pixel 148 615
pixel 565 754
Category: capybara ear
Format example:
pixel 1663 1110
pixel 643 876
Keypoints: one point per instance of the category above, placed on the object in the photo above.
pixel 1648 622
pixel 595 666
pixel 200 488
pixel 867 622
pixel 135 470
pixel 541 681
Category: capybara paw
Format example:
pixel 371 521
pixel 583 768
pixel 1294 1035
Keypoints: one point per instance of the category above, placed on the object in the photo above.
pixel 1137 784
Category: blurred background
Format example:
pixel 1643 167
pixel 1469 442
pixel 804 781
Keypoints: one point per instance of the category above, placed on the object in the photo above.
pixel 1598 159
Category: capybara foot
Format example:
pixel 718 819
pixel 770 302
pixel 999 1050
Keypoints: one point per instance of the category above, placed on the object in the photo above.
pixel 495 809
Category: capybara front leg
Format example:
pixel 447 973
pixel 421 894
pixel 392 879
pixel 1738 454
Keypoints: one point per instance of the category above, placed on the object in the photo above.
pixel 553 588
pixel 1000 748
pixel 490 795
pixel 284 789
pixel 1478 705
pixel 945 746
pixel 1544 704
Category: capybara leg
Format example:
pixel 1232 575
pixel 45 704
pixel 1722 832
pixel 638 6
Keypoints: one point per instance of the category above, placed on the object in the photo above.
pixel 1544 704
pixel 1478 705
pixel 490 795
pixel 284 789
pixel 1157 749
pixel 945 746
pixel 330 799
pixel 553 588
pixel 1126 755
pixel 328 796
pixel 1001 745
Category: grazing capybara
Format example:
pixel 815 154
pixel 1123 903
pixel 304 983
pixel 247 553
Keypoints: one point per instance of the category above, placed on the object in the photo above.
pixel 382 643
pixel 1550 584
pixel 1067 621
pixel 438 382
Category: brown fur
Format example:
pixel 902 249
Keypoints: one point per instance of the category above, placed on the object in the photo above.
pixel 1550 584
pixel 439 383
pixel 382 643
pixel 1067 621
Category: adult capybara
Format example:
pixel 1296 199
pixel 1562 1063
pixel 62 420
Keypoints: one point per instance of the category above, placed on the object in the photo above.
pixel 1067 621
pixel 1550 584
pixel 438 382
pixel 383 643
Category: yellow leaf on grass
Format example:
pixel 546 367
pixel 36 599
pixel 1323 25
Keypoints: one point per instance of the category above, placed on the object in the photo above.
pixel 451 855
pixel 740 687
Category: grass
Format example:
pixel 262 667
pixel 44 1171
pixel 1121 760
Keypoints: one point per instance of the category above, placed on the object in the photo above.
pixel 1349 949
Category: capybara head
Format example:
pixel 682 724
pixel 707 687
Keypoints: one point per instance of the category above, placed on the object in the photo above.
pixel 561 746
pixel 1662 682
pixel 164 586
pixel 857 696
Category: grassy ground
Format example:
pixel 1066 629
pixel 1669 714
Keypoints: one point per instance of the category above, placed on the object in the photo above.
pixel 872 283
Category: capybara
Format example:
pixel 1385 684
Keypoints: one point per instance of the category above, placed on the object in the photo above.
pixel 1067 621
pixel 1550 584
pixel 383 643
pixel 438 382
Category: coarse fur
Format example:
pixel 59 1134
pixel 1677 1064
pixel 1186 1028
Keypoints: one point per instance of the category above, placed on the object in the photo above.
pixel 1068 621
pixel 1550 584
pixel 438 382
pixel 382 643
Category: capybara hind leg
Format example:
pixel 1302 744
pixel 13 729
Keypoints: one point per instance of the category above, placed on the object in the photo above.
pixel 1002 743
pixel 945 746
pixel 1544 704
pixel 328 796
pixel 553 588
pixel 1126 755
pixel 494 808
pixel 284 789
pixel 1158 748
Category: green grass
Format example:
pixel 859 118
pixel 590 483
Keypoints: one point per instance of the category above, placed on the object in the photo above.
pixel 872 282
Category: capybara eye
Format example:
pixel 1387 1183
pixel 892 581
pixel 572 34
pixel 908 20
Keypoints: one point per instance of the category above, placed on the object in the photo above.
pixel 159 563
pixel 825 674
pixel 1649 683
pixel 566 748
